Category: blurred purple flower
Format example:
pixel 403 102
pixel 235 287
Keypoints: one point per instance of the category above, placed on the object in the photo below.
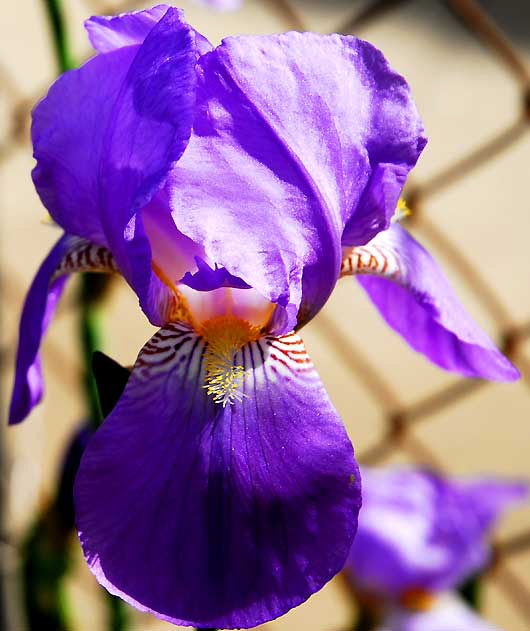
pixel 222 489
pixel 420 535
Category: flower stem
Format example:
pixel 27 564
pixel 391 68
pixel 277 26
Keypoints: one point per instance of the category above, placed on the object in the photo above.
pixel 60 39
pixel 91 293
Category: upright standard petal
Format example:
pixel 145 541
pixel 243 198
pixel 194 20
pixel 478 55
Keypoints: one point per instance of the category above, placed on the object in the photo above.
pixel 69 254
pixel 449 613
pixel 276 168
pixel 378 204
pixel 106 137
pixel 108 33
pixel 415 298
pixel 218 516
pixel 149 130
pixel 67 131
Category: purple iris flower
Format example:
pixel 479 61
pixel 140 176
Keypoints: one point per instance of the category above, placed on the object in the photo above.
pixel 419 536
pixel 229 186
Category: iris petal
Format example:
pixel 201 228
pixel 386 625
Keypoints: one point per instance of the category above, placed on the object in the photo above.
pixel 70 254
pixel 218 516
pixel 108 33
pixel 276 168
pixel 106 137
pixel 377 206
pixel 415 298
pixel 149 130
pixel 172 252
pixel 67 152
pixel 111 32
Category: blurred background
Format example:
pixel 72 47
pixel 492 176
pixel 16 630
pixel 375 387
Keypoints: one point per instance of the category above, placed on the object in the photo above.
pixel 468 66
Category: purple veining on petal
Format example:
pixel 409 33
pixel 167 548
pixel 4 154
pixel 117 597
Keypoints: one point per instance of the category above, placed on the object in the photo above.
pixel 218 516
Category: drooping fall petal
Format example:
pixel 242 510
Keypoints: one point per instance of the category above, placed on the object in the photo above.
pixel 218 516
pixel 69 254
pixel 414 297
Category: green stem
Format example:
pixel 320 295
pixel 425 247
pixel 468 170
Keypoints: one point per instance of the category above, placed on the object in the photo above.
pixel 60 39
pixel 92 286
